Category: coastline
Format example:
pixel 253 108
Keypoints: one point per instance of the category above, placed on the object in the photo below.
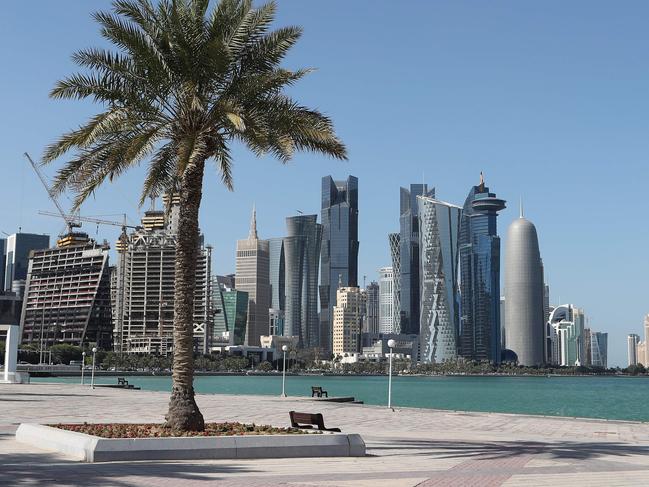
pixel 135 373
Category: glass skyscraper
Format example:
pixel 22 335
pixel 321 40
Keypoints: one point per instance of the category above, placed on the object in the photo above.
pixel 18 247
pixel 277 274
pixel 479 337
pixel 409 256
pixel 439 224
pixel 598 349
pixel 235 305
pixel 3 257
pixel 339 253
pixel 301 253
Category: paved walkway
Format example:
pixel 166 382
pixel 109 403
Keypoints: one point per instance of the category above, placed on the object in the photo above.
pixel 407 447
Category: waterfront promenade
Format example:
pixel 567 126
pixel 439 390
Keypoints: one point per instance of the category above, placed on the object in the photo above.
pixel 406 447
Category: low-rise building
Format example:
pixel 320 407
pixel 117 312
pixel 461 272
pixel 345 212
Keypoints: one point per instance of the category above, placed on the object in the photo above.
pixel 347 321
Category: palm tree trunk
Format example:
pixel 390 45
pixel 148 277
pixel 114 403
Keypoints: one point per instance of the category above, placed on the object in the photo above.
pixel 184 414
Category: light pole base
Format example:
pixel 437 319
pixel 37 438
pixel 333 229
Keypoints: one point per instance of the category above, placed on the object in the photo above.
pixel 283 395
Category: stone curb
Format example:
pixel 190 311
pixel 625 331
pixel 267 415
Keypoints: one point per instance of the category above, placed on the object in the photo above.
pixel 94 449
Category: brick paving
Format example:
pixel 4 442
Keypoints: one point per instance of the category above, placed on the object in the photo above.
pixel 406 447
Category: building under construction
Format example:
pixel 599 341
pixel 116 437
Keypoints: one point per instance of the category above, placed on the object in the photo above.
pixel 143 293
pixel 67 295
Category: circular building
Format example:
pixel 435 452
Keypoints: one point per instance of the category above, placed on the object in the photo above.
pixel 524 322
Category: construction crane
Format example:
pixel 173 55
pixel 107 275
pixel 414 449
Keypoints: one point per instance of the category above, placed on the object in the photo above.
pixel 69 219
pixel 77 219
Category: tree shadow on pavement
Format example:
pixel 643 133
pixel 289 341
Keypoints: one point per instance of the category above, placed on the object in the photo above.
pixel 568 450
pixel 46 470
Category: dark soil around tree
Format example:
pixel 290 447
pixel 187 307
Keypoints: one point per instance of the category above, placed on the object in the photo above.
pixel 154 430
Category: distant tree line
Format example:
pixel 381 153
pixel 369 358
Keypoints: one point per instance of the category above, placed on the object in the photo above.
pixel 301 361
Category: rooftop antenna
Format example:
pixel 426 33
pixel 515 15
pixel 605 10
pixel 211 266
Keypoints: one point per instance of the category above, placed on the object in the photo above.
pixel 300 212
pixel 521 207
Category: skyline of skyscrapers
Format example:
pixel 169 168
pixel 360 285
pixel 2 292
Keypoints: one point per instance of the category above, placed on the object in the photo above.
pixel 481 324
pixel 525 323
pixel 409 257
pixel 479 253
pixel 339 248
pixel 439 225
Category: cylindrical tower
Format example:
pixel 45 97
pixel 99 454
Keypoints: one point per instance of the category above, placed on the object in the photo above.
pixel 524 323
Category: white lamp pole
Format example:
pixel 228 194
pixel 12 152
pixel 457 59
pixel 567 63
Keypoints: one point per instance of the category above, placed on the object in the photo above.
pixel 391 345
pixel 94 353
pixel 284 349
pixel 83 365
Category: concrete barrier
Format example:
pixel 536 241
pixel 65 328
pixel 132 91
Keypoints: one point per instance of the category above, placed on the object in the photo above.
pixel 94 449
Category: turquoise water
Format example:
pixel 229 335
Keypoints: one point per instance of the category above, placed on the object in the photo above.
pixel 595 397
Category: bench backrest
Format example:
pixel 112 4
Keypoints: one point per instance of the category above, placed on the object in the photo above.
pixel 316 389
pixel 306 418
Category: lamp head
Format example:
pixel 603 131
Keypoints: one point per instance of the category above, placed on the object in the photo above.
pixel 83 354
pixel 94 349
pixel 284 348
pixel 392 343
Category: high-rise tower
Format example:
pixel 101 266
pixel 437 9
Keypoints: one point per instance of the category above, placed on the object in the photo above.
pixel 480 275
pixel 67 296
pixel 439 224
pixel 17 250
pixel 386 300
pixel 632 348
pixel 143 287
pixel 253 276
pixel 409 256
pixel 395 252
pixel 301 253
pixel 524 321
pixel 339 252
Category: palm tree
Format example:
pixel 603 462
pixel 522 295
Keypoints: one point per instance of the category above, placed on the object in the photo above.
pixel 184 82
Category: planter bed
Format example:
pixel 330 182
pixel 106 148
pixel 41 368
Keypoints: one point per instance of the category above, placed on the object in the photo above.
pixel 223 440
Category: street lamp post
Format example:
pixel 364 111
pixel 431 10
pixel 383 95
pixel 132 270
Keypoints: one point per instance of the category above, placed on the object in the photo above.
pixel 284 349
pixel 83 365
pixel 94 353
pixel 391 345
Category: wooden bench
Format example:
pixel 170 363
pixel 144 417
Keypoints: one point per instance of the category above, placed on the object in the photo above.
pixel 121 381
pixel 308 421
pixel 316 391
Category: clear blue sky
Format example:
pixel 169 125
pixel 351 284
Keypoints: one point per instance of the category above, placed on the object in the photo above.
pixel 549 99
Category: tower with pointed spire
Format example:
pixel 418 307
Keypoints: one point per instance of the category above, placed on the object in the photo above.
pixel 253 276
pixel 252 235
